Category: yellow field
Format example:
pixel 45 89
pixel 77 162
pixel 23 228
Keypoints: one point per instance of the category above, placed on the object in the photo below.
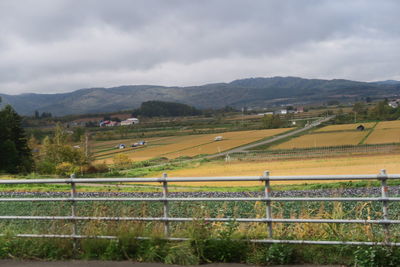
pixel 388 125
pixel 323 140
pixel 101 145
pixel 191 145
pixel 344 127
pixel 342 165
pixel 231 140
pixel 382 136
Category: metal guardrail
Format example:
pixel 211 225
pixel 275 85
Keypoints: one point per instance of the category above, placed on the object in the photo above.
pixel 166 219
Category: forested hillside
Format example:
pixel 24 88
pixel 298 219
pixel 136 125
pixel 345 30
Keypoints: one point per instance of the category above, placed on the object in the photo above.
pixel 246 92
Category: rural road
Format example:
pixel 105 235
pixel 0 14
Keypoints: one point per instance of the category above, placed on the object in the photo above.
pixel 274 139
pixel 16 263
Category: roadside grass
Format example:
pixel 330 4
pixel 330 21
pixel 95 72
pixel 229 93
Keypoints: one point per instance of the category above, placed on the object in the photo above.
pixel 208 242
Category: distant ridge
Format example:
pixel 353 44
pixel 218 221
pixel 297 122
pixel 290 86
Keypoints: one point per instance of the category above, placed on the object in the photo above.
pixel 388 82
pixel 253 92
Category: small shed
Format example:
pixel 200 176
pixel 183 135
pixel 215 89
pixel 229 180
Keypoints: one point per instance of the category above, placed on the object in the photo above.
pixel 360 127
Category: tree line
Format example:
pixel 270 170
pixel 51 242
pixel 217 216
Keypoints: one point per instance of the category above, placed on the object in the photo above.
pixel 380 111
pixel 165 109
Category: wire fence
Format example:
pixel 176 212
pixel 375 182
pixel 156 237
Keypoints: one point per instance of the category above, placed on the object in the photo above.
pixel 324 152
pixel 165 217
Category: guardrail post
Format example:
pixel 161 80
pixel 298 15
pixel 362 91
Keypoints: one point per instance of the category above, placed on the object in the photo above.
pixel 73 213
pixel 268 211
pixel 166 208
pixel 384 193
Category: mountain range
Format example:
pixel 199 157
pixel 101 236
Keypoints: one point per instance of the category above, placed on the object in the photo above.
pixel 252 92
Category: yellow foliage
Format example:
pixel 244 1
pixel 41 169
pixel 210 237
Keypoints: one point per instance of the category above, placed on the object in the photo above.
pixel 122 161
pixel 66 168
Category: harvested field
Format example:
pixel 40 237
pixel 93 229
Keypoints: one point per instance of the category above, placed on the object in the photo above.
pixel 323 140
pixel 101 145
pixel 339 165
pixel 345 127
pixel 388 125
pixel 384 135
pixel 231 140
pixel 192 145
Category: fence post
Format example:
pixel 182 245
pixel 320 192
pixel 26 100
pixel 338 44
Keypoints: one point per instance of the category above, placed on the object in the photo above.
pixel 166 208
pixel 73 213
pixel 384 194
pixel 268 211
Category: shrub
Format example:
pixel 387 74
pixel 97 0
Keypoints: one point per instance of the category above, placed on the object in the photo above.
pixel 46 167
pixel 66 169
pixel 122 161
pixel 376 256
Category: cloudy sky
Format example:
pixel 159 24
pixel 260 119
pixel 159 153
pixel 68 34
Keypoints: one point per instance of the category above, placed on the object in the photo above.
pixel 50 46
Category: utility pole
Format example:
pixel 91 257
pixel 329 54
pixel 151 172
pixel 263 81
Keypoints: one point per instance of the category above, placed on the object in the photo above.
pixel 87 145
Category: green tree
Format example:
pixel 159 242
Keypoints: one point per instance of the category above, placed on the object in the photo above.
pixel 272 121
pixel 15 154
pixel 56 153
pixel 360 108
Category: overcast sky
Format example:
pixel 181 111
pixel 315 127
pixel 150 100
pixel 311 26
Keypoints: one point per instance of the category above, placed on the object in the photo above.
pixel 50 46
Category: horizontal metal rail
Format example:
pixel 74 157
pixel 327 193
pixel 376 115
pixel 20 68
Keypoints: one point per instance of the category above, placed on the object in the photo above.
pixel 165 199
pixel 265 241
pixel 201 179
pixel 194 199
pixel 165 219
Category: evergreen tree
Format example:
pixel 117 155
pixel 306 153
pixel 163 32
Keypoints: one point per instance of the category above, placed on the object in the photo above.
pixel 15 153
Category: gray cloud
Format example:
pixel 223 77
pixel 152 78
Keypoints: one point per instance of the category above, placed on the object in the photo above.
pixel 52 46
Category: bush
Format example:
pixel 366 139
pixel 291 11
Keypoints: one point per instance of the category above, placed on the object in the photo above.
pixel 122 161
pixel 66 169
pixel 95 168
pixel 46 167
pixel 376 256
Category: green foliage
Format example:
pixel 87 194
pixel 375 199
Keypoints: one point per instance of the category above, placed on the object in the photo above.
pixel 376 256
pixel 165 109
pixel 275 254
pixel 360 108
pixel 272 122
pixel 35 248
pixel 78 133
pixel 58 157
pixel 15 155
pixel 181 254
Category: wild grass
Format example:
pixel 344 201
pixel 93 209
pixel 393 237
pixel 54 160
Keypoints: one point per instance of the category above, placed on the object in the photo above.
pixel 208 241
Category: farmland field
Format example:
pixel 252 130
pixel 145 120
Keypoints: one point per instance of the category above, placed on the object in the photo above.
pixel 345 127
pixel 384 135
pixel 340 165
pixel 323 140
pixel 188 145
pixel 388 125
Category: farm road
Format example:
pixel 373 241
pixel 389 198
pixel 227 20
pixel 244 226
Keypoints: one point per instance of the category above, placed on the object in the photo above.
pixel 15 263
pixel 274 139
